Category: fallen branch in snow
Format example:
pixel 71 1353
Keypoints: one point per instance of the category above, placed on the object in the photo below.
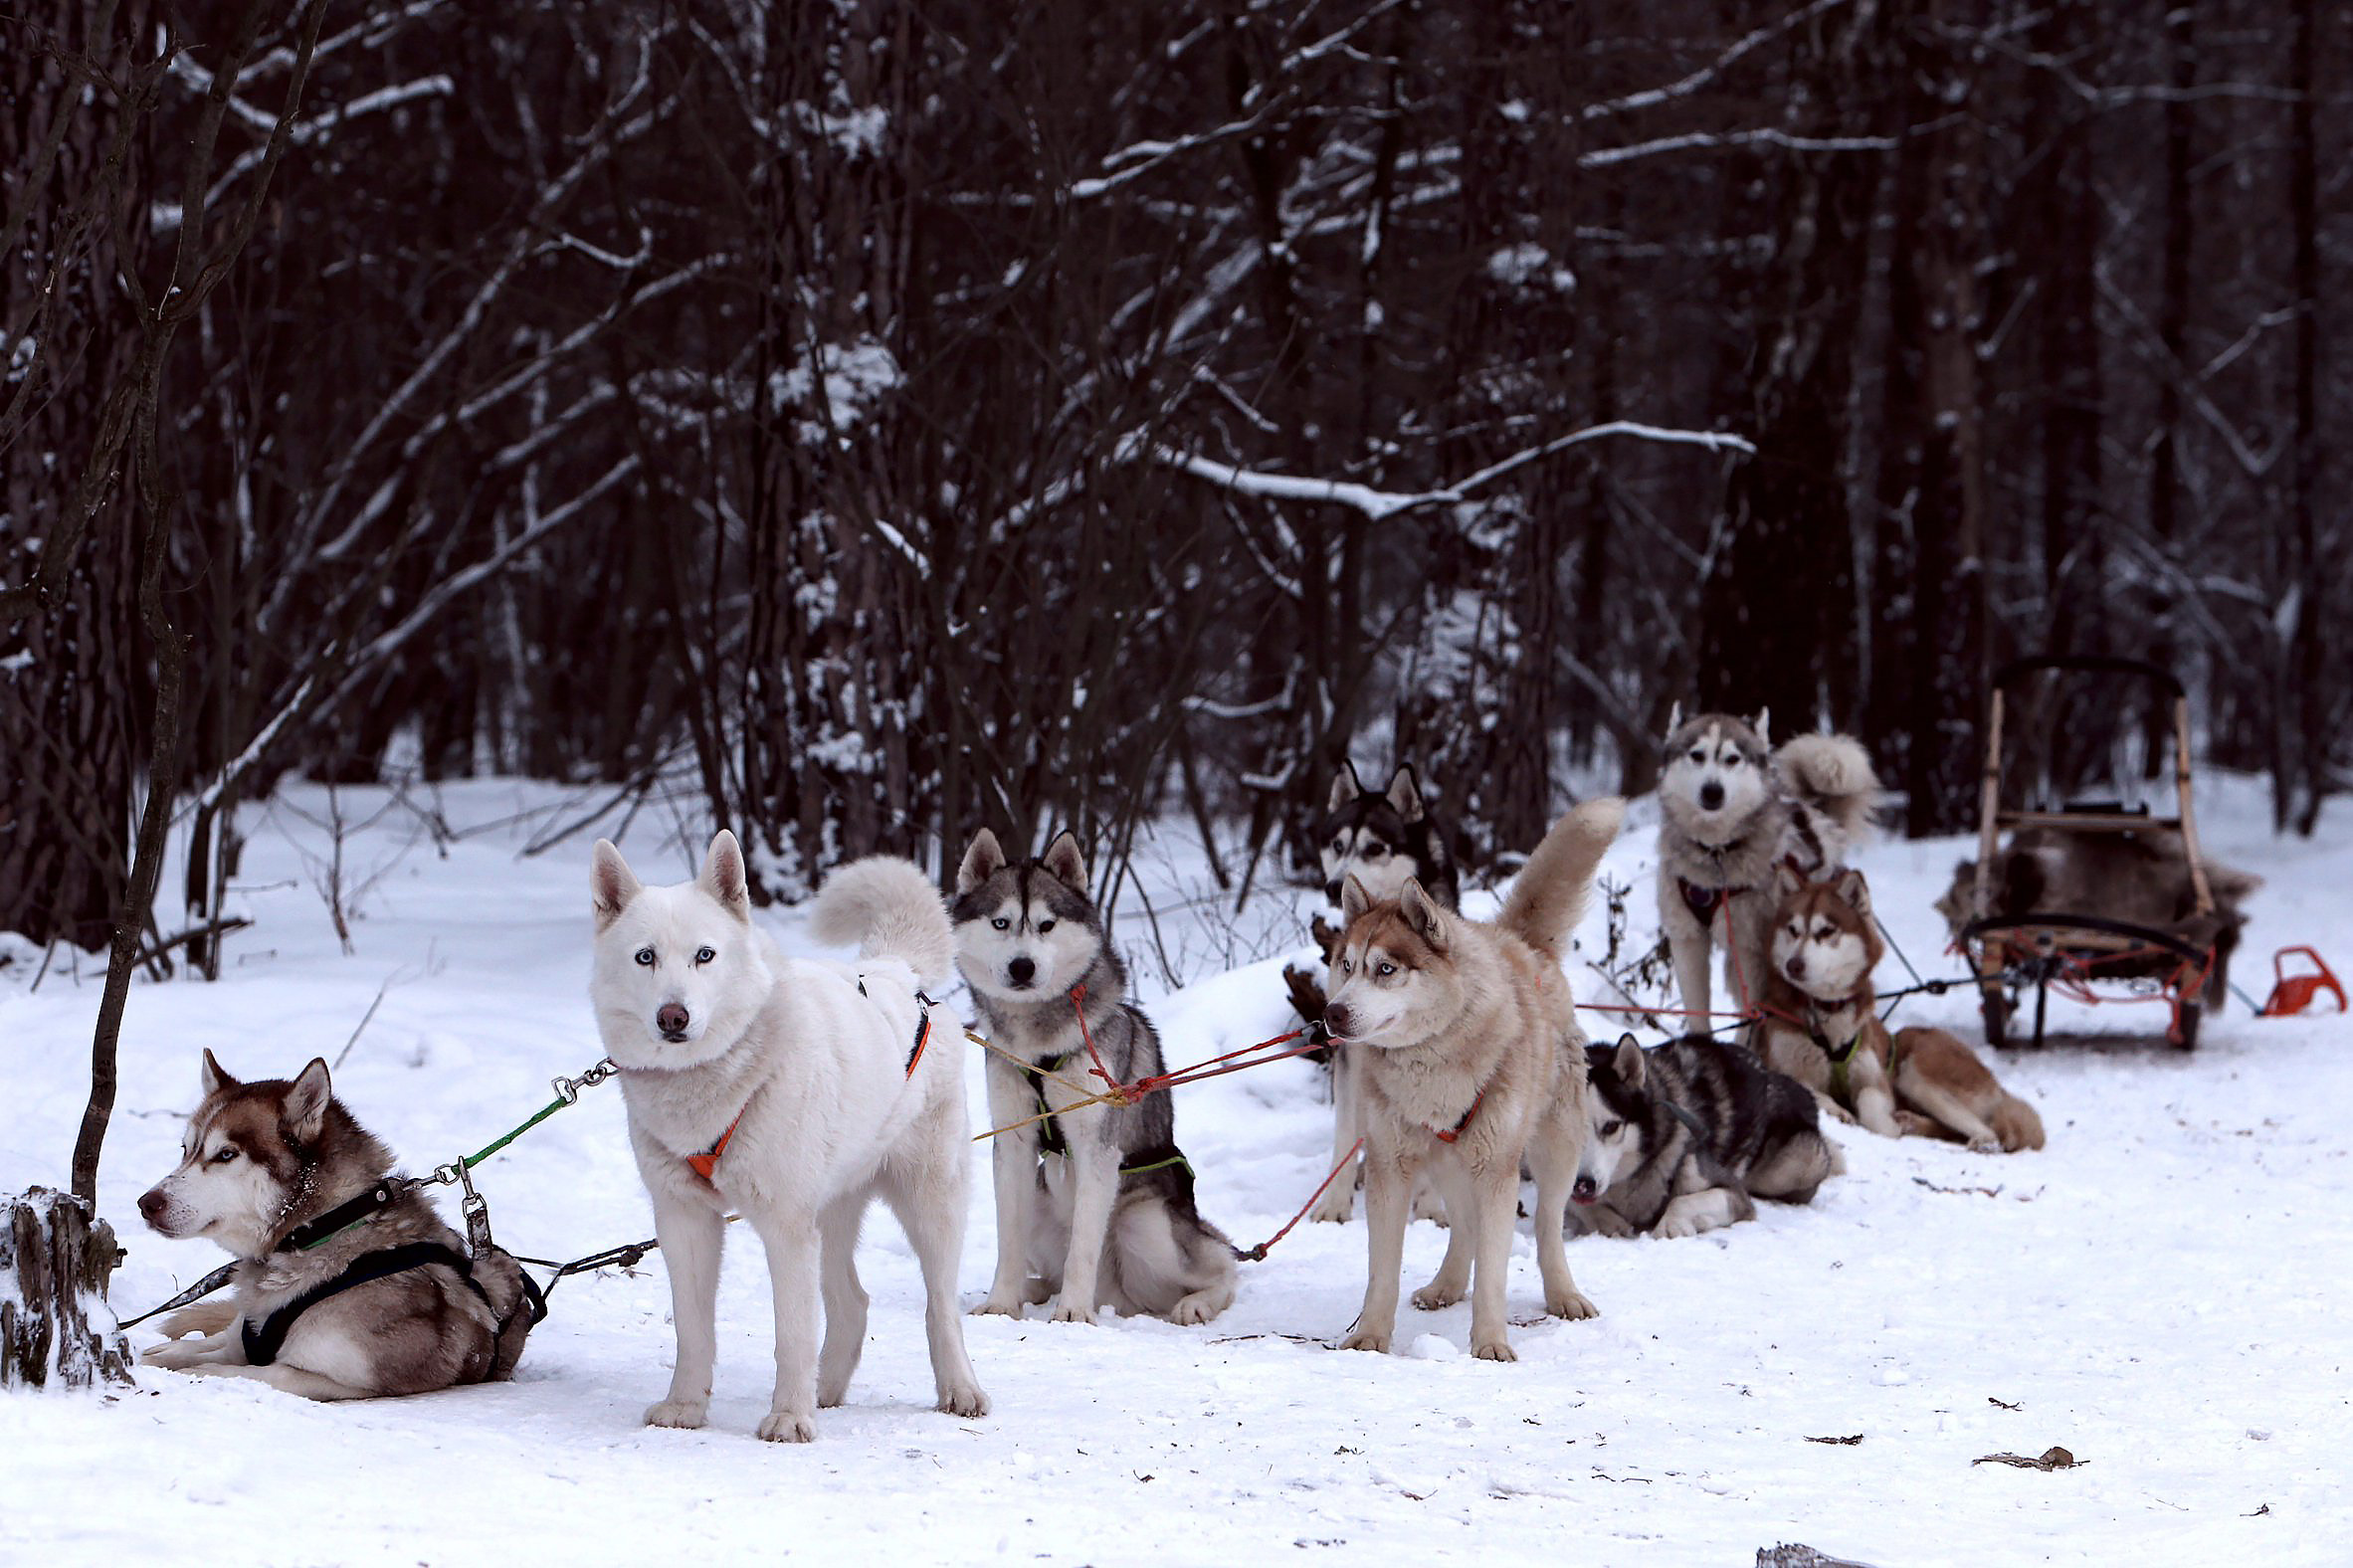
pixel 1848 1442
pixel 154 950
pixel 1982 1192
pixel 2051 1458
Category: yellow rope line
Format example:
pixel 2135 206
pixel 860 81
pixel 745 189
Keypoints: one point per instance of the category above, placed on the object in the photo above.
pixel 1112 1097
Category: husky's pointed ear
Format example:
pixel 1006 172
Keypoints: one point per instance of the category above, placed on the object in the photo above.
pixel 1788 881
pixel 305 1102
pixel 1630 1061
pixel 1345 787
pixel 1063 861
pixel 1765 727
pixel 1406 794
pixel 1675 718
pixel 610 884
pixel 214 1078
pixel 1422 913
pixel 1851 886
pixel 722 876
pixel 1355 900
pixel 984 858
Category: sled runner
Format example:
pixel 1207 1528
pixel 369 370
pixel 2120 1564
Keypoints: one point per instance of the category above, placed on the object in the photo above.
pixel 2100 899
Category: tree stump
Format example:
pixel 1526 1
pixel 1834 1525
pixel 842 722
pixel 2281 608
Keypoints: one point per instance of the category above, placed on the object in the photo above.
pixel 56 1328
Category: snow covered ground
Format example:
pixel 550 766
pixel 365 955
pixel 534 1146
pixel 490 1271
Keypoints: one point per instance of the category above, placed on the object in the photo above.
pixel 2158 1292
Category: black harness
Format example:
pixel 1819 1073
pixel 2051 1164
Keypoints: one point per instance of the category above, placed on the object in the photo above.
pixel 1160 1156
pixel 263 1341
pixel 1050 1136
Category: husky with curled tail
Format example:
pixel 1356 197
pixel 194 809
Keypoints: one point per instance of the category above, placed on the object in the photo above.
pixel 795 1093
pixel 1470 1061
pixel 1731 811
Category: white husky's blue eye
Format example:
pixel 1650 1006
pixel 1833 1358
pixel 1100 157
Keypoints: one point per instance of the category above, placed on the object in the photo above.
pixel 1002 923
pixel 226 1154
pixel 645 956
pixel 1043 926
pixel 704 955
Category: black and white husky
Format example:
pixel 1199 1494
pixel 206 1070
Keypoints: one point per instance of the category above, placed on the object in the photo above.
pixel 1384 841
pixel 1094 1205
pixel 1731 809
pixel 1681 1138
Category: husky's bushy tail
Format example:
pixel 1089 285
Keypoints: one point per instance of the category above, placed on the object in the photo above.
pixel 1833 774
pixel 1550 893
pixel 889 909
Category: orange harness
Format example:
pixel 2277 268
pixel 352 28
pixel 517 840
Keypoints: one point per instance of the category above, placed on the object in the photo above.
pixel 1447 1136
pixel 706 1163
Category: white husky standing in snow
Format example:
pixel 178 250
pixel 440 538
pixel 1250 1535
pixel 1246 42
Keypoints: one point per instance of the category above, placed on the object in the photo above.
pixel 794 1092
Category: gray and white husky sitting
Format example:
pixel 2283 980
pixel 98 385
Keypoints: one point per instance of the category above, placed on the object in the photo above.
pixel 1094 1205
pixel 1681 1138
pixel 347 1284
pixel 1730 811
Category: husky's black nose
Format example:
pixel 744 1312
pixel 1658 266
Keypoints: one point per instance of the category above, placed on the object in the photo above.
pixel 151 1205
pixel 1021 971
pixel 1712 795
pixel 1335 1019
pixel 1585 1191
pixel 1331 891
pixel 1796 966
pixel 672 1019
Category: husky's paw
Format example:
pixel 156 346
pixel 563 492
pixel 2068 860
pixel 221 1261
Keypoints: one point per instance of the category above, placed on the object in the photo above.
pixel 1598 1219
pixel 205 1317
pixel 964 1400
pixel 1366 1339
pixel 1988 1144
pixel 787 1426
pixel 1072 1313
pixel 1494 1350
pixel 1570 1304
pixel 178 1356
pixel 997 1306
pixel 684 1414
pixel 1675 1227
pixel 1429 1206
pixel 1337 1206
pixel 1437 1295
pixel 1199 1307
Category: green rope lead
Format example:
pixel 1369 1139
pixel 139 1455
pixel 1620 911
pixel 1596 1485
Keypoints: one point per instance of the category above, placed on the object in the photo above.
pixel 1157 1165
pixel 552 1108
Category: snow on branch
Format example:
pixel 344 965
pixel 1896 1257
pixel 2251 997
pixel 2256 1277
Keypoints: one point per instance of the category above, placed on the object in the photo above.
pixel 1603 157
pixel 1652 98
pixel 1380 503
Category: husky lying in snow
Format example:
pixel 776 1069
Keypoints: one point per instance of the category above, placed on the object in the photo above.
pixel 1681 1138
pixel 795 1093
pixel 1094 1205
pixel 1822 1028
pixel 1730 811
pixel 346 1286
pixel 1470 1061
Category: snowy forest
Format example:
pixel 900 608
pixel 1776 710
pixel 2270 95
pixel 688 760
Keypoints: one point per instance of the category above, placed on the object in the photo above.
pixel 878 419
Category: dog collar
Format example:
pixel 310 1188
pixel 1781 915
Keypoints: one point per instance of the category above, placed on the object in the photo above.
pixel 1449 1134
pixel 343 1215
pixel 1704 901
